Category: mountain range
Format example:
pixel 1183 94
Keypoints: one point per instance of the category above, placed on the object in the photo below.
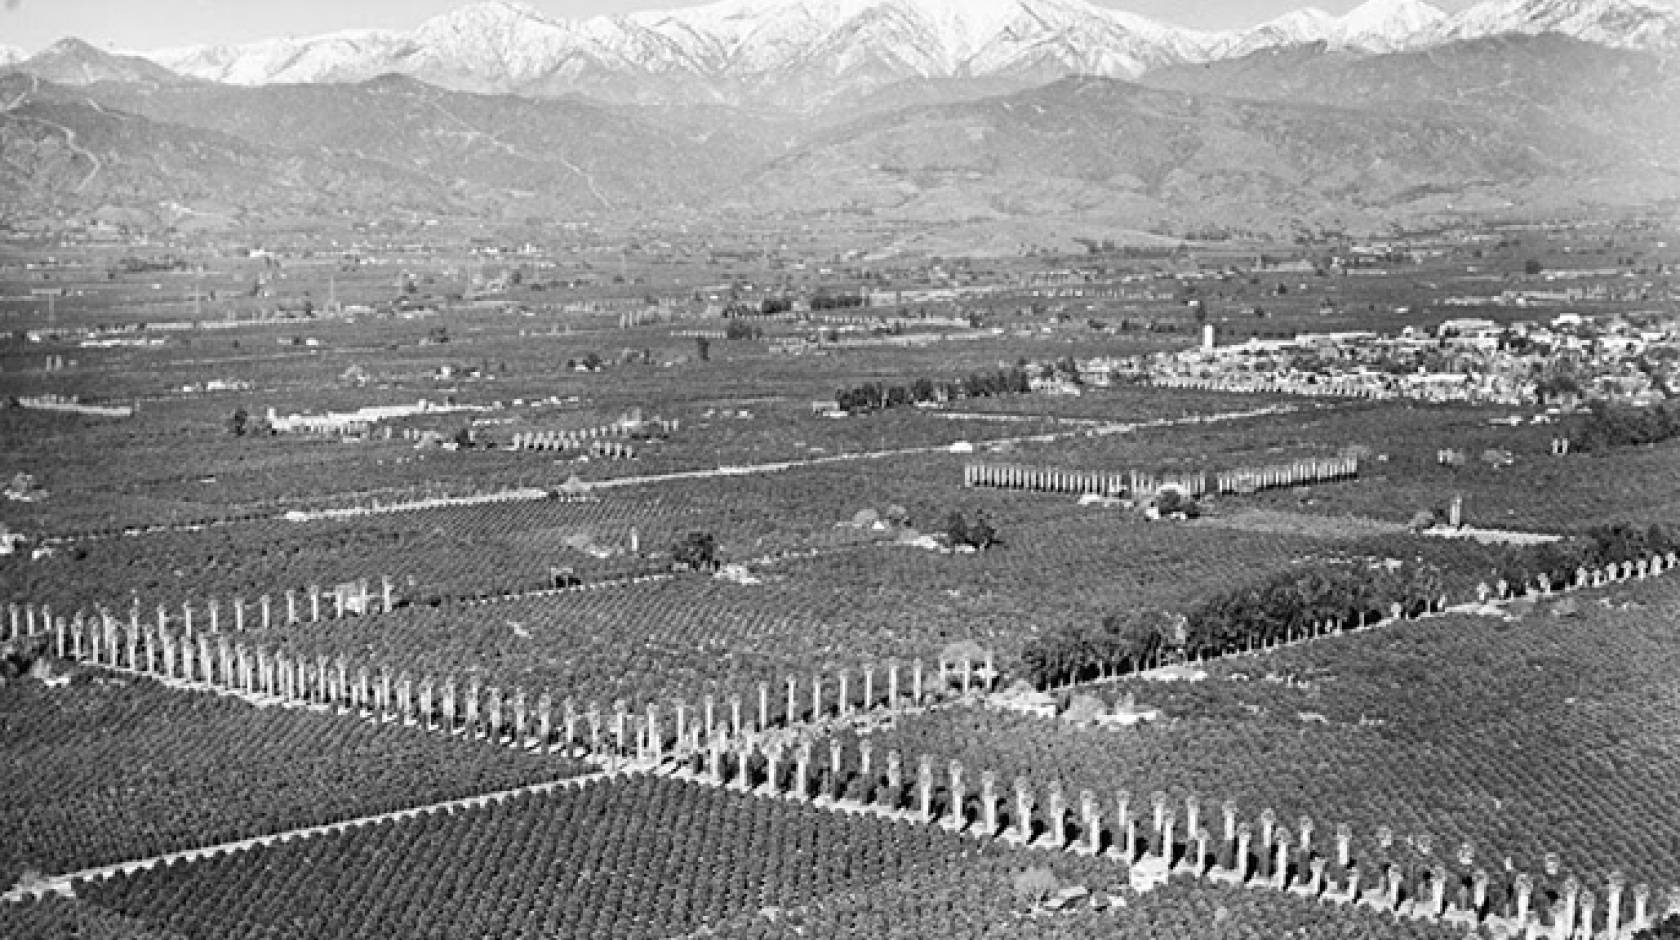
pixel 806 54
pixel 1239 153
pixel 1289 137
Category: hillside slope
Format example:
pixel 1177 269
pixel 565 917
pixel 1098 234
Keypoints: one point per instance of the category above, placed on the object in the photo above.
pixel 60 151
pixel 1608 106
pixel 1185 162
pixel 560 154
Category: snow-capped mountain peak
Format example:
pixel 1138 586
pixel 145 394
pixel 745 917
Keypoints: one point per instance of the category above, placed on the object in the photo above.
pixel 511 41
pixel 1295 28
pixel 1630 24
pixel 1374 26
pixel 340 56
pixel 1306 20
pixel 1387 25
pixel 799 53
pixel 486 19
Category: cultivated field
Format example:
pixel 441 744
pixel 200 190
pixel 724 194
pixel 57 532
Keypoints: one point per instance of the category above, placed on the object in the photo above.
pixel 1520 738
pixel 559 614
pixel 106 770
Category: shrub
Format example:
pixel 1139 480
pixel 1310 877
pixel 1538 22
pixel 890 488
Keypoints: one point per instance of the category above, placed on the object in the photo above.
pixel 1033 885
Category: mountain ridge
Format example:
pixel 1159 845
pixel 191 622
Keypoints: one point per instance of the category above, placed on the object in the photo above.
pixel 1298 136
pixel 803 55
pixel 72 61
pixel 1178 162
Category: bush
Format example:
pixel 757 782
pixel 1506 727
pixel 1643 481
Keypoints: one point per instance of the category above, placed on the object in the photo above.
pixel 1033 885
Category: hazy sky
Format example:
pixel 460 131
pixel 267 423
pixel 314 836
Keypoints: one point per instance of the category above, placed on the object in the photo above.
pixel 149 24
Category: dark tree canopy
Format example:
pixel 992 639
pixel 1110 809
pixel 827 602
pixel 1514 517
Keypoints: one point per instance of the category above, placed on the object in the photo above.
pixel 1626 425
pixel 696 551
pixel 978 535
pixel 1667 929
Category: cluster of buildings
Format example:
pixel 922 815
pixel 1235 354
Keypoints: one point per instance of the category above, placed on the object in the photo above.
pixel 1553 294
pixel 1572 358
